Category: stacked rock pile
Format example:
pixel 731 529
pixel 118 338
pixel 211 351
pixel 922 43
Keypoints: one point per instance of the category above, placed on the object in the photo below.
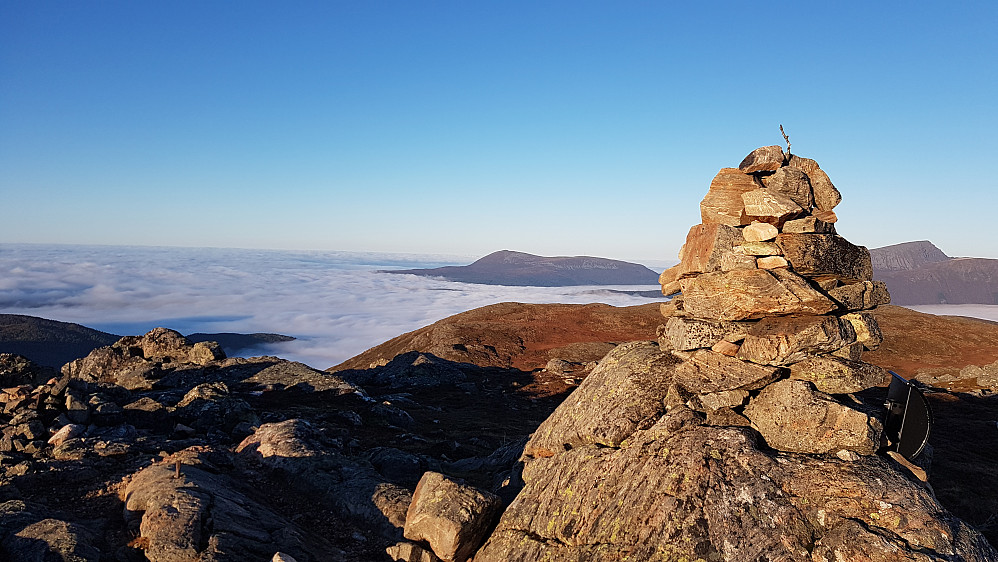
pixel 773 308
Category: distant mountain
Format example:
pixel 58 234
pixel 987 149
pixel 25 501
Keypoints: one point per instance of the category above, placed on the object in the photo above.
pixel 920 273
pixel 906 256
pixel 506 267
pixel 53 344
pixel 48 342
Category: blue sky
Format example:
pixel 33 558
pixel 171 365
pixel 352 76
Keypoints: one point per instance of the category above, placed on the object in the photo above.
pixel 557 128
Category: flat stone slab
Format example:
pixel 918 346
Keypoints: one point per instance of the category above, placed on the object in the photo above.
pixel 785 340
pixel 751 293
pixel 835 375
pixel 706 372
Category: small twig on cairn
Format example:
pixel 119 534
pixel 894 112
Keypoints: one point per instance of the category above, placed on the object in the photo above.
pixel 786 138
pixel 177 475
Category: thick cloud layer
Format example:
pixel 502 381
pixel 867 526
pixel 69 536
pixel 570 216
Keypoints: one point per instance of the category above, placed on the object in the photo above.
pixel 336 303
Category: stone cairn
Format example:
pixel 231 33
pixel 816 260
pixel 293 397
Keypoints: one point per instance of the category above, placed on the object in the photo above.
pixel 771 312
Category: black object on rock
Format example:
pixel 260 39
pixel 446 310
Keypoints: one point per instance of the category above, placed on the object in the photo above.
pixel 909 418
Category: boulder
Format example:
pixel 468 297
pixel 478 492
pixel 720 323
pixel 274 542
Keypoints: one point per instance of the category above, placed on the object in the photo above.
pixel 201 515
pixel 826 255
pixel 751 294
pixel 624 392
pixel 704 247
pixel 763 159
pixel 770 206
pixel 706 372
pixel 861 296
pixel 723 203
pixel 826 196
pixel 452 517
pixel 793 183
pixel 51 540
pixel 834 375
pixel 785 340
pixel 792 416
pixel 759 232
pixel 692 333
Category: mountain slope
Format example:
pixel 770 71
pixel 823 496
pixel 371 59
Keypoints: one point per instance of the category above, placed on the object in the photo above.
pixel 920 273
pixel 49 342
pixel 506 267
pixel 907 255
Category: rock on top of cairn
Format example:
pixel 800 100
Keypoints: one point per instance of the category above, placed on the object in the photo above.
pixel 764 159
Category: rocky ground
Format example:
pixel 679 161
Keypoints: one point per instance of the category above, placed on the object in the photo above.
pixel 157 448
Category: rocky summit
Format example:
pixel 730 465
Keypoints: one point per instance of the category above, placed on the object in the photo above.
pixel 739 434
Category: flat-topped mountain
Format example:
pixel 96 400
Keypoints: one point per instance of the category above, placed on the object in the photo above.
pixel 920 273
pixel 506 267
pixel 907 255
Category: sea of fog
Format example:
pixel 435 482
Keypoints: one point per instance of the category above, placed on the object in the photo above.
pixel 337 304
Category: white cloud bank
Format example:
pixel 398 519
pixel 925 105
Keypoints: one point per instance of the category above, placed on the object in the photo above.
pixel 336 303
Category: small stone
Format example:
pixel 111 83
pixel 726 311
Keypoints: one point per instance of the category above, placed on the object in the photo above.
pixel 725 399
pixel 793 183
pixel 808 224
pixel 723 203
pixel 867 329
pixel 758 249
pixel 725 347
pixel 759 232
pixel 768 206
pixel 772 262
pixel 70 431
pixel 731 261
pixel 410 552
pixel 763 159
pixel 827 217
pixel 847 455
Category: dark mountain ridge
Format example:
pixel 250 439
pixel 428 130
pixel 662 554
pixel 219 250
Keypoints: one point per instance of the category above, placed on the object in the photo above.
pixel 53 344
pixel 507 267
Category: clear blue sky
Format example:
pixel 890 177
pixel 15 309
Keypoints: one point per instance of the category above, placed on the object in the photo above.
pixel 556 128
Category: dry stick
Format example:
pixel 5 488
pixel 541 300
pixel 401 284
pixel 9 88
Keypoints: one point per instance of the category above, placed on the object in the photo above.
pixel 177 475
pixel 786 138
